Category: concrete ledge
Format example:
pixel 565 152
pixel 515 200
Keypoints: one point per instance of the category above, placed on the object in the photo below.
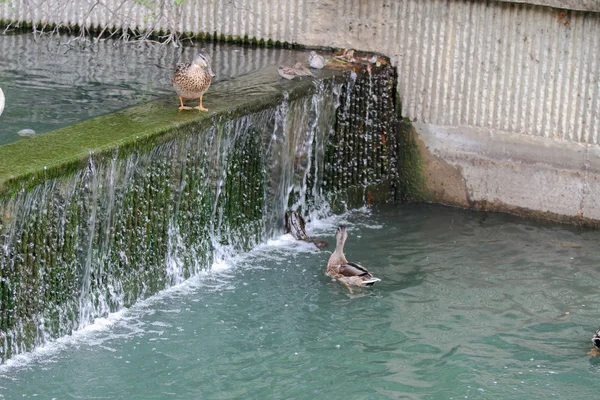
pixel 130 203
pixel 27 163
pixel 530 176
pixel 579 5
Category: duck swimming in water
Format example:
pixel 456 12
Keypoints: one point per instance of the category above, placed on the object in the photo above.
pixel 349 273
pixel 296 226
pixel 595 351
pixel 192 80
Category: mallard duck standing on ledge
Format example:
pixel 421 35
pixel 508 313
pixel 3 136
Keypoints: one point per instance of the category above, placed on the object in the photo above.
pixel 192 80
pixel 348 273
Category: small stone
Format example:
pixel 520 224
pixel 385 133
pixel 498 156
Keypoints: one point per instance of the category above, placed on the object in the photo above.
pixel 26 132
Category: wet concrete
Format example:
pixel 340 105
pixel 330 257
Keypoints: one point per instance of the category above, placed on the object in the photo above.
pixel 528 176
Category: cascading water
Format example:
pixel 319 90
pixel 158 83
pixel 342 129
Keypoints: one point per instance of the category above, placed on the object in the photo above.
pixel 125 227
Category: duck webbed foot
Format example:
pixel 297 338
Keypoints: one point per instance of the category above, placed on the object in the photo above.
pixel 199 107
pixel 181 106
pixel 349 288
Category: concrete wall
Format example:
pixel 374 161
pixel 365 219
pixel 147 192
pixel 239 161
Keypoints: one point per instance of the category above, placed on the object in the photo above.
pixel 505 98
pixel 493 73
pixel 581 5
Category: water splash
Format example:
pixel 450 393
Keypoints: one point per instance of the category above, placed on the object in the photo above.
pixel 129 225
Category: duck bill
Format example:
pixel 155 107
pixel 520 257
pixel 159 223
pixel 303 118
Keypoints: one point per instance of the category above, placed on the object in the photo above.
pixel 210 71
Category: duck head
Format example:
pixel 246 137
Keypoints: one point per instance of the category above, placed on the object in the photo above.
pixel 203 61
pixel 340 236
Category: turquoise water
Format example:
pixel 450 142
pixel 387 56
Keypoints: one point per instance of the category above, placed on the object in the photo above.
pixel 52 81
pixel 471 305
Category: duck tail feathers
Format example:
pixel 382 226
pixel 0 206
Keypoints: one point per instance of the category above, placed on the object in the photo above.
pixel 371 281
pixel 596 341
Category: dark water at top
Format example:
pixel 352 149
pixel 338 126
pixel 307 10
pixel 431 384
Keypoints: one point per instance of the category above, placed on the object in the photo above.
pixel 470 306
pixel 53 81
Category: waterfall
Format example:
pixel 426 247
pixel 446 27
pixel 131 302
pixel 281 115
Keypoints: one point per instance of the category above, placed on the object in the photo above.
pixel 132 223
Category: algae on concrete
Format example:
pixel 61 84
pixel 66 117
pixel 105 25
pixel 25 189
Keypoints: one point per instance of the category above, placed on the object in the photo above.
pixel 27 163
pixel 100 214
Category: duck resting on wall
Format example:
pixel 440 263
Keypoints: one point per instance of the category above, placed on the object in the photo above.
pixel 297 71
pixel 191 80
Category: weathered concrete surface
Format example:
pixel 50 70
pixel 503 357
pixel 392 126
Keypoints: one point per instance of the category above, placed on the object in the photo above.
pixel 581 5
pixel 496 67
pixel 525 175
pixel 493 65
pixel 493 71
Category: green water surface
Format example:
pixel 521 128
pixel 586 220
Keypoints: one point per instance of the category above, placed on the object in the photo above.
pixel 471 305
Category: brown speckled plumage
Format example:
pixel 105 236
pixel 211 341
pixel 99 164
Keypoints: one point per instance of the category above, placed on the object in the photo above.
pixel 191 80
pixel 348 273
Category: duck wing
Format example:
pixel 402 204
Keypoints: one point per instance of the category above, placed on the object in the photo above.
pixel 182 67
pixel 353 269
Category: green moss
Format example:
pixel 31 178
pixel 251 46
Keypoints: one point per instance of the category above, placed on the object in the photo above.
pixel 121 182
pixel 27 163
pixel 412 183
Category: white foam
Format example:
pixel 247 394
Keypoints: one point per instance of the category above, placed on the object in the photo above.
pixel 219 266
pixel 45 352
pixel 102 329
pixel 372 226
pixel 218 278
pixel 284 242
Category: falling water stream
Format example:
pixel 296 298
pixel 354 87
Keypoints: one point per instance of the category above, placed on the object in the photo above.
pixel 470 306
pixel 172 278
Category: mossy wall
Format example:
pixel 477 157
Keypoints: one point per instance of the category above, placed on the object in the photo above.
pixel 85 235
